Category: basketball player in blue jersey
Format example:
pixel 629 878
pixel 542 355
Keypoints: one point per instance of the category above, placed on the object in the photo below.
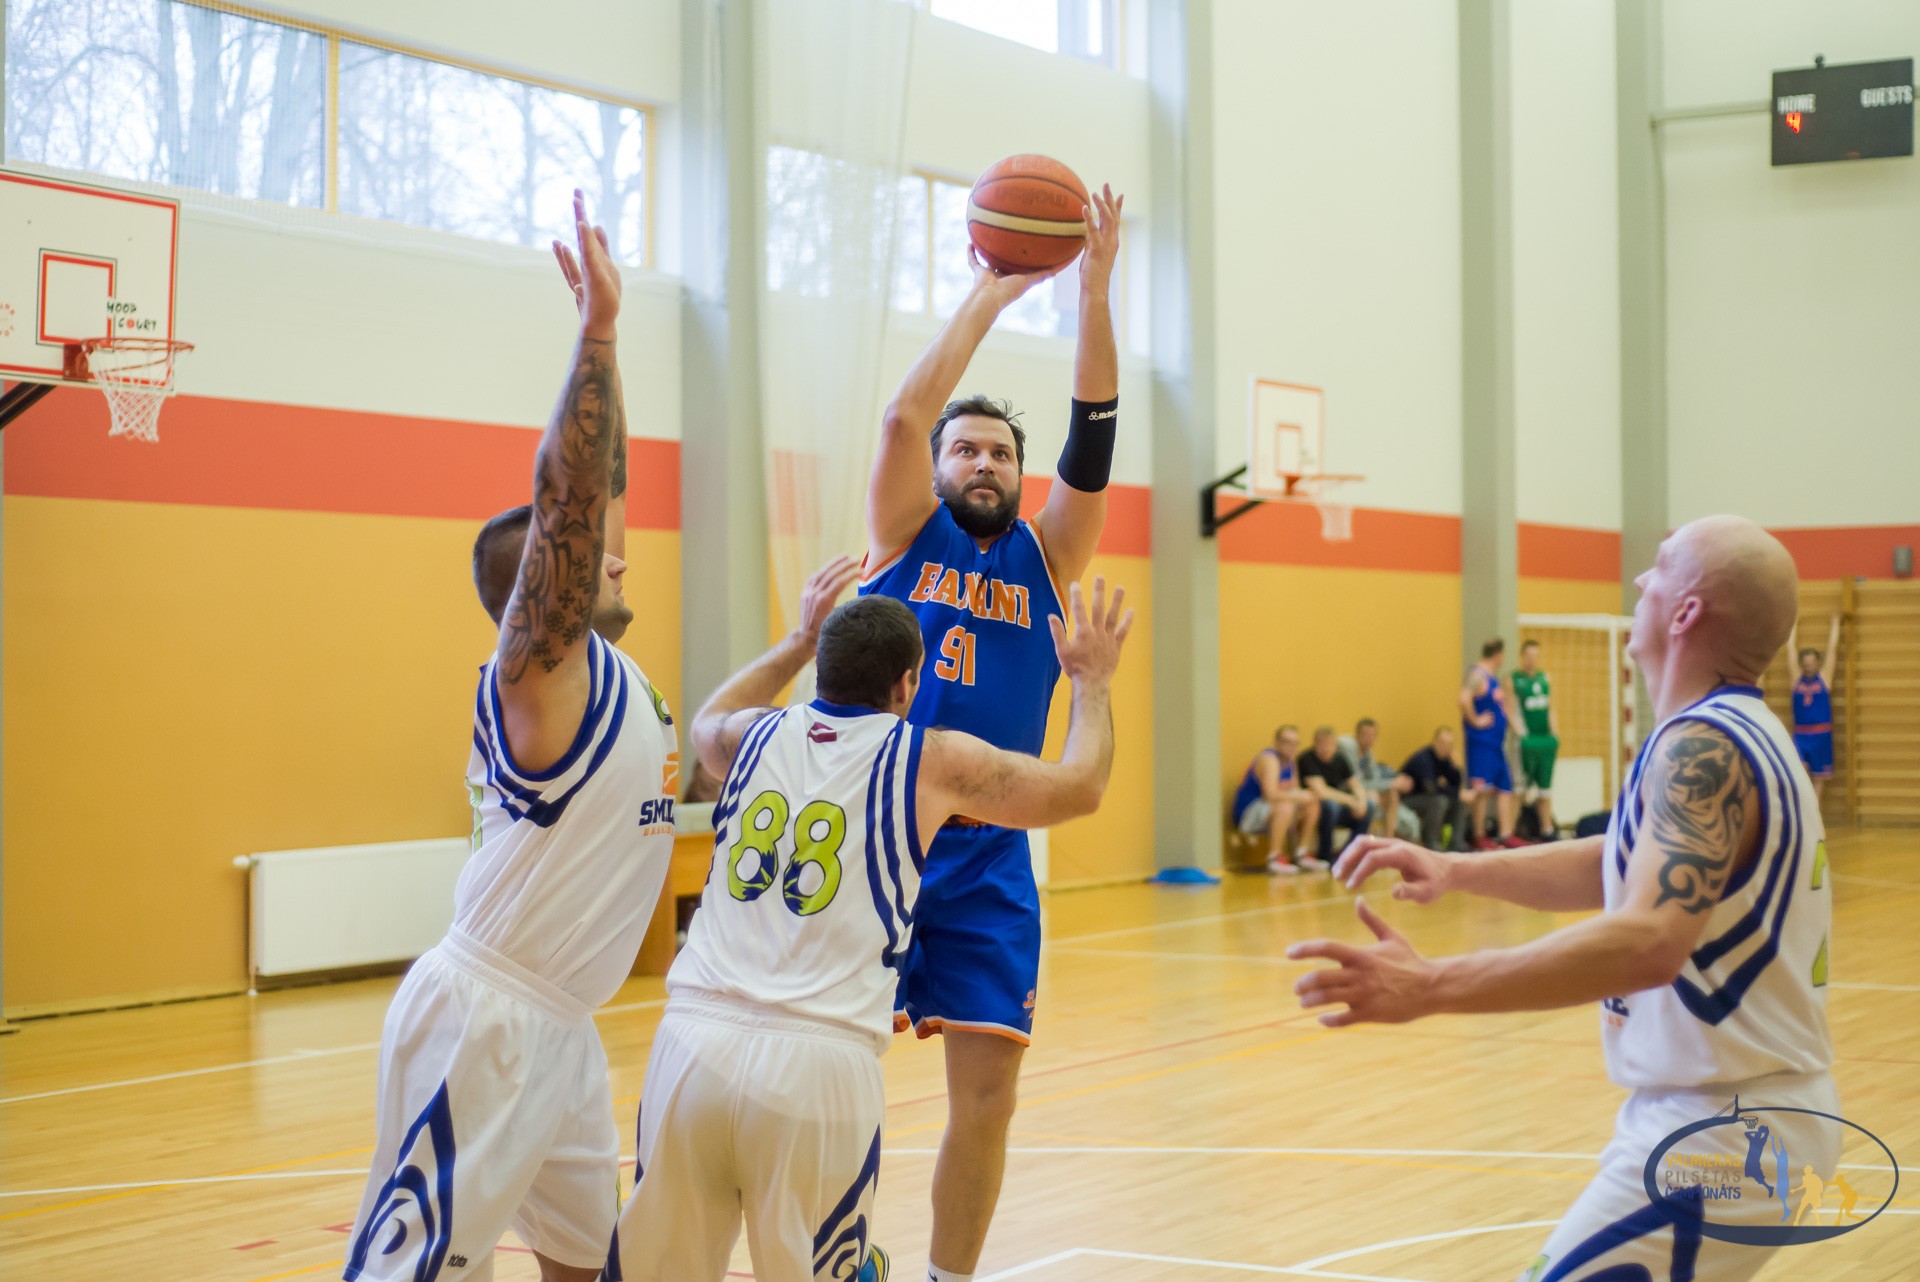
pixel 1484 717
pixel 1708 959
pixel 1813 709
pixel 945 537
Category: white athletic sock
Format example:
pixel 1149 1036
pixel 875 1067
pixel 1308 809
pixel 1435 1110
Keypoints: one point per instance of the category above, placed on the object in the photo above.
pixel 937 1274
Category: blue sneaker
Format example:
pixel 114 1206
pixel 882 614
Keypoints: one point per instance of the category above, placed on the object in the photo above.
pixel 876 1267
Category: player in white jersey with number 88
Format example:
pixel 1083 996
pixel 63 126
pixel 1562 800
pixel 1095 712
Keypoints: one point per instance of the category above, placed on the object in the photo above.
pixel 1710 960
pixel 763 1092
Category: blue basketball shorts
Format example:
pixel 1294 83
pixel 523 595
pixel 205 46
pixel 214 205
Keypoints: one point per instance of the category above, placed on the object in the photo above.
pixel 1816 750
pixel 1487 766
pixel 974 961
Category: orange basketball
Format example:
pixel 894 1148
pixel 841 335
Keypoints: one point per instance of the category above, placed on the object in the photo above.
pixel 1024 215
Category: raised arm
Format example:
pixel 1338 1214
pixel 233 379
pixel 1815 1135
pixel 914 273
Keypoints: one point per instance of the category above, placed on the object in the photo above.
pixel 542 674
pixel 1832 655
pixel 900 491
pixel 617 509
pixel 1076 509
pixel 1701 825
pixel 730 711
pixel 962 775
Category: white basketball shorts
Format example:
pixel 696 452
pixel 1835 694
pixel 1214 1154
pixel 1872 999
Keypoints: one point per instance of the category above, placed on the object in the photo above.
pixel 751 1109
pixel 1614 1232
pixel 494 1111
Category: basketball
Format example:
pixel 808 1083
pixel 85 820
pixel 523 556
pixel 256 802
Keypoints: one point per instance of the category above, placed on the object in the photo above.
pixel 1023 214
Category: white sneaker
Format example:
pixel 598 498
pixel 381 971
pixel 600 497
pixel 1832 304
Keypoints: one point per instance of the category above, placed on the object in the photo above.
pixel 1311 864
pixel 1281 868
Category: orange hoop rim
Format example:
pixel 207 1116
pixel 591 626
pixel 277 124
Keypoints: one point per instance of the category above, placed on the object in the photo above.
pixel 133 343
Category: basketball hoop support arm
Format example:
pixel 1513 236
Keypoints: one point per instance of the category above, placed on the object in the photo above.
pixel 1210 518
pixel 19 399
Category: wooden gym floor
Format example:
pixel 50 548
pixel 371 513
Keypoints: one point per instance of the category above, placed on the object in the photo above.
pixel 1179 1113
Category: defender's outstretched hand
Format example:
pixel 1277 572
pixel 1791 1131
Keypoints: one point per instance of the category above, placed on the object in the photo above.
pixel 1093 652
pixel 822 591
pixel 1425 875
pixel 1387 983
pixel 596 287
pixel 1103 238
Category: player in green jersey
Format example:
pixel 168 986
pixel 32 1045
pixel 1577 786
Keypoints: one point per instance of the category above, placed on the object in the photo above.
pixel 1540 736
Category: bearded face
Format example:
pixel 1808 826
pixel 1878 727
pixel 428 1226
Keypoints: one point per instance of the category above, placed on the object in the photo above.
pixel 977 475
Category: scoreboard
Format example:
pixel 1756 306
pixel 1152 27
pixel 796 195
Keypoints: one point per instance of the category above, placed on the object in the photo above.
pixel 1849 112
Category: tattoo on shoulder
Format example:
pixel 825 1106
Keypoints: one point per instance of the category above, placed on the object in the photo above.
pixel 1697 812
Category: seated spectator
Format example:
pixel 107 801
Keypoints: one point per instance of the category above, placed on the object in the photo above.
pixel 1343 802
pixel 1429 784
pixel 1373 775
pixel 1270 801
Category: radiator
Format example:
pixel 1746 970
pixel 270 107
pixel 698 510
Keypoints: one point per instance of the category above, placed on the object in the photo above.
pixel 335 907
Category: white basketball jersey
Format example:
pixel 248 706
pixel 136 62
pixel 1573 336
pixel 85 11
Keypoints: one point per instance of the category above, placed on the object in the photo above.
pixel 567 861
pixel 1752 999
pixel 817 861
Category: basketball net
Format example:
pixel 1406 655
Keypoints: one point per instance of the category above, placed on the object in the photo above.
pixel 1336 519
pixel 136 374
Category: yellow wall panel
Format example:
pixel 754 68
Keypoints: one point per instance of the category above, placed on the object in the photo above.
pixel 1312 645
pixel 1116 840
pixel 1568 596
pixel 187 684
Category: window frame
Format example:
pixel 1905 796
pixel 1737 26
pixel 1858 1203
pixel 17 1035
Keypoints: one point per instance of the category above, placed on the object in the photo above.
pixel 331 125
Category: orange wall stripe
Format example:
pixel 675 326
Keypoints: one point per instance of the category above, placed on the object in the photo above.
pixel 1289 534
pixel 1129 528
pixel 1847 551
pixel 1569 552
pixel 222 453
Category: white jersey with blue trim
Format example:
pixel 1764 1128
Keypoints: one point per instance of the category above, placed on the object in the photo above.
pixel 809 903
pixel 567 861
pixel 1752 999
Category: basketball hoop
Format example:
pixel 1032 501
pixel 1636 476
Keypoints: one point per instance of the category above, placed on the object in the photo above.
pixel 1336 519
pixel 135 373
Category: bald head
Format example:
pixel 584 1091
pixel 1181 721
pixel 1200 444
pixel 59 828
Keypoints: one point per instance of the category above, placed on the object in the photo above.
pixel 1747 587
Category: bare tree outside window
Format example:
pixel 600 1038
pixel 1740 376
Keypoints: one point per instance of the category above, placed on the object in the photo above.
pixel 163 92
pixel 440 146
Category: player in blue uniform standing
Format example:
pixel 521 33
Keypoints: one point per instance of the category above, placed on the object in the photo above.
pixel 945 536
pixel 1813 710
pixel 1484 716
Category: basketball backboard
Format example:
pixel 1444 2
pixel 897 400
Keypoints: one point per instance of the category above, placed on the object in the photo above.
pixel 1285 431
pixel 78 263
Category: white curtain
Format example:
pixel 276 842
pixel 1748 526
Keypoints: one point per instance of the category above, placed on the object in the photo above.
pixel 833 125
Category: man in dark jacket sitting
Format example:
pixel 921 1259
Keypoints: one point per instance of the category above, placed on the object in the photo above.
pixel 1429 786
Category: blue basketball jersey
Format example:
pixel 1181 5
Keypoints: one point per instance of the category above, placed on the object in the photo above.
pixel 1812 706
pixel 1250 782
pixel 1488 701
pixel 990 666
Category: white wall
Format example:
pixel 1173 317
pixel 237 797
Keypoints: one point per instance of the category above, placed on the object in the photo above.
pixel 1566 258
pixel 1792 376
pixel 393 320
pixel 1337 232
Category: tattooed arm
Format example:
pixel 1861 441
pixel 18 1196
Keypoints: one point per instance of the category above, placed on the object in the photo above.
pixel 962 775
pixel 1700 824
pixel 542 674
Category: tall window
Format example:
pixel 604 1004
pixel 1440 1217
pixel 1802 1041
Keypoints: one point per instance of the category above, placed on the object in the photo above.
pixel 170 92
pixel 1050 308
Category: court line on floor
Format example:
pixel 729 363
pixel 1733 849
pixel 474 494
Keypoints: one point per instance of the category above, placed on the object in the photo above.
pixel 293 1058
pixel 1875 881
pixel 1059 1257
pixel 1229 1150
pixel 296 1057
pixel 1878 988
pixel 1336 1256
pixel 167 1184
pixel 1217 957
pixel 1197 921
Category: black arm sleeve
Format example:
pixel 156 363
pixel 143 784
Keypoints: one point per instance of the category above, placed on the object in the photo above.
pixel 1087 460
